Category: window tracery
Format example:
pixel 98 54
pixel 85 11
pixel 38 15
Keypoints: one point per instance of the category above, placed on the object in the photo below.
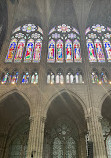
pixel 59 77
pixel 98 43
pixel 27 37
pixel 65 41
pixel 63 140
pixel 95 77
pixel 103 77
pixel 50 77
pixel 25 78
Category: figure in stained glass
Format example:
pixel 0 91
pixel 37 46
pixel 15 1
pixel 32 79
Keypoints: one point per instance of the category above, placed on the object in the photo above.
pixel 107 47
pixel 77 53
pixel 99 51
pixel 37 51
pixel 19 52
pixel 11 50
pixel 103 77
pixel 59 51
pixel 25 78
pixel 14 78
pixel 51 51
pixel 94 77
pixel 69 55
pixel 29 51
pixel 91 52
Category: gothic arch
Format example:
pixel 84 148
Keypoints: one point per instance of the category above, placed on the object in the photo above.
pixel 6 94
pixel 71 94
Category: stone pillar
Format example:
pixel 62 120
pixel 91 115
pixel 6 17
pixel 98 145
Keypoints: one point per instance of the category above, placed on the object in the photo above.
pixel 36 136
pixel 95 134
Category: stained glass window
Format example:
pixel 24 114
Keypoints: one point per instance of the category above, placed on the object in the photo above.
pixel 99 51
pixel 69 53
pixel 51 51
pixel 103 77
pixel 107 47
pixel 69 78
pixel 64 143
pixel 16 148
pixel 78 78
pixel 19 51
pixel 71 148
pixel 66 41
pixel 14 78
pixel 94 77
pixel 26 78
pixel 59 78
pixel 6 78
pixel 11 51
pixel 91 52
pixel 29 38
pixel 50 78
pixel 108 146
pixel 98 36
pixel 77 52
pixel 29 51
pixel 34 78
pixel 37 51
pixel 57 148
pixel 59 51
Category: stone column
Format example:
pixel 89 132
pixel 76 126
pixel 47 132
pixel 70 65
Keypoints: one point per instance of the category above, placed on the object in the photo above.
pixel 36 135
pixel 95 134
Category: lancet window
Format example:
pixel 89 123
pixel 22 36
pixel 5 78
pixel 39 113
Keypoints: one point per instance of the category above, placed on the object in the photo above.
pixel 25 45
pixel 64 45
pixel 59 77
pixel 94 76
pixel 50 77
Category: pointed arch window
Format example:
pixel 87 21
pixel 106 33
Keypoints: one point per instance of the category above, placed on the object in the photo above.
pixel 51 51
pixel 69 53
pixel 59 77
pixel 69 77
pixel 77 51
pixel 19 51
pixel 11 50
pixel 94 77
pixel 34 78
pixel 59 51
pixel 14 77
pixel 98 42
pixel 65 41
pixel 107 47
pixel 37 51
pixel 25 78
pixel 57 148
pixel 103 76
pixel 29 50
pixel 91 51
pixel 6 78
pixel 50 77
pixel 99 51
pixel 78 78
pixel 26 43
